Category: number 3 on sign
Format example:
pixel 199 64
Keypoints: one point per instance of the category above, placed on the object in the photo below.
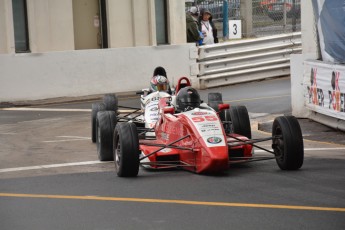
pixel 235 29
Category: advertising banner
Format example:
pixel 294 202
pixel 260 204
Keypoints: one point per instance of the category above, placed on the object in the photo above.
pixel 324 88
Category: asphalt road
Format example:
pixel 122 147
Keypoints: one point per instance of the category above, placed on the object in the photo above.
pixel 50 177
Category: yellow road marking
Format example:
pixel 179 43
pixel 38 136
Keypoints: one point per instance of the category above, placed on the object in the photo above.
pixel 185 202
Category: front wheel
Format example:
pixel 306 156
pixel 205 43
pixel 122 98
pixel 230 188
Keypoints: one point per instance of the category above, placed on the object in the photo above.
pixel 240 121
pixel 287 143
pixel 126 150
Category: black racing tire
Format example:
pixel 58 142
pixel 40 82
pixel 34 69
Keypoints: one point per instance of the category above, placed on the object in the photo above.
pixel 240 121
pixel 214 99
pixel 126 150
pixel 96 107
pixel 287 143
pixel 227 121
pixel 106 122
pixel 111 102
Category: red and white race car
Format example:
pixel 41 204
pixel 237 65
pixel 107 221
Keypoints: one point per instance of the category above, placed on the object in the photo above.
pixel 195 136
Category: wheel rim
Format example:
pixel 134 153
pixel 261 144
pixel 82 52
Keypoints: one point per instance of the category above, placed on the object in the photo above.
pixel 278 144
pixel 98 139
pixel 117 153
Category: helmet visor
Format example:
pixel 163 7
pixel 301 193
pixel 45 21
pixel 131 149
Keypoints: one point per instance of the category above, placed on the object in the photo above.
pixel 162 87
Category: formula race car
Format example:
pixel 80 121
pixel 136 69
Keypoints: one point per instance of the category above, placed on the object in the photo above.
pixel 192 135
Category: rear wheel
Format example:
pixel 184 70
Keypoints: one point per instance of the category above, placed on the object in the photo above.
pixel 287 143
pixel 106 122
pixel 96 107
pixel 227 121
pixel 240 121
pixel 214 99
pixel 126 150
pixel 111 102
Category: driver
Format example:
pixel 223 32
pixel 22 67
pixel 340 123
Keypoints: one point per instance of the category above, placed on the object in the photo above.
pixel 159 81
pixel 187 98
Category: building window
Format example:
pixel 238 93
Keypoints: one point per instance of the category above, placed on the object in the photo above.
pixel 161 21
pixel 20 23
pixel 104 24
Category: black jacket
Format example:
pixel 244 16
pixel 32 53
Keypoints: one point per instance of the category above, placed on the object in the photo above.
pixel 214 29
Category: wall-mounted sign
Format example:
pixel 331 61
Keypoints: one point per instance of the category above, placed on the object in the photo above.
pixel 235 29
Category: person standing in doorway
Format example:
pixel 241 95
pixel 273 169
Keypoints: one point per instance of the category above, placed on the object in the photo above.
pixel 193 33
pixel 207 27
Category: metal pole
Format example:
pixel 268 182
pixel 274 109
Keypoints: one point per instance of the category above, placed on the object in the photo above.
pixel 284 15
pixel 294 12
pixel 225 20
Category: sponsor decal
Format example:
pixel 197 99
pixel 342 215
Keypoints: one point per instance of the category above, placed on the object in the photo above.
pixel 315 94
pixel 325 88
pixel 209 130
pixel 336 98
pixel 154 109
pixel 214 140
pixel 199 113
pixel 153 115
pixel 155 99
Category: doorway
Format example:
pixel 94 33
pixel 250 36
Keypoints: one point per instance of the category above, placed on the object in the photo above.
pixel 90 24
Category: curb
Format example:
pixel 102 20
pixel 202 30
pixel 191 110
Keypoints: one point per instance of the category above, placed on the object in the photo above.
pixel 60 100
pixel 312 130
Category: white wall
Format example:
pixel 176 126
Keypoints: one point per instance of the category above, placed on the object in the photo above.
pixel 50 25
pixel 309 51
pixel 176 22
pixel 89 72
pixel 308 29
pixel 6 27
pixel 132 22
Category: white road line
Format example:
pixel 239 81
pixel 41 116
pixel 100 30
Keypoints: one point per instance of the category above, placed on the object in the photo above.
pixel 58 110
pixel 309 149
pixel 66 140
pixel 73 138
pixel 40 120
pixel 46 109
pixel 100 162
pixel 88 138
pixel 51 166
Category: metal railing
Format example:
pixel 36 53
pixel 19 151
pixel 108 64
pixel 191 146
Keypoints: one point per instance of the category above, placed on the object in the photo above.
pixel 268 17
pixel 247 60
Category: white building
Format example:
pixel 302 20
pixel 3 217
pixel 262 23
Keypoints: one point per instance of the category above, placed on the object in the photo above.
pixel 57 25
pixel 68 48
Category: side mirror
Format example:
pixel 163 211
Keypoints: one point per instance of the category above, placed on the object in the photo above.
pixel 223 106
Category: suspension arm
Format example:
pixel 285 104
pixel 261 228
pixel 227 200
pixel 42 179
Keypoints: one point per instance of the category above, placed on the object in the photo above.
pixel 251 142
pixel 164 146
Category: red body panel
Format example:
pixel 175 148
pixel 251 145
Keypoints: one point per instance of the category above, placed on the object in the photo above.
pixel 206 154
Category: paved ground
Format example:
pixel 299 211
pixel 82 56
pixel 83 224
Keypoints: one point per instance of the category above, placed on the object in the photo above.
pixel 311 130
pixel 51 178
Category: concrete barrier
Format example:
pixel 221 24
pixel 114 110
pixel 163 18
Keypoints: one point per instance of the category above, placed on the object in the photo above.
pixel 37 76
